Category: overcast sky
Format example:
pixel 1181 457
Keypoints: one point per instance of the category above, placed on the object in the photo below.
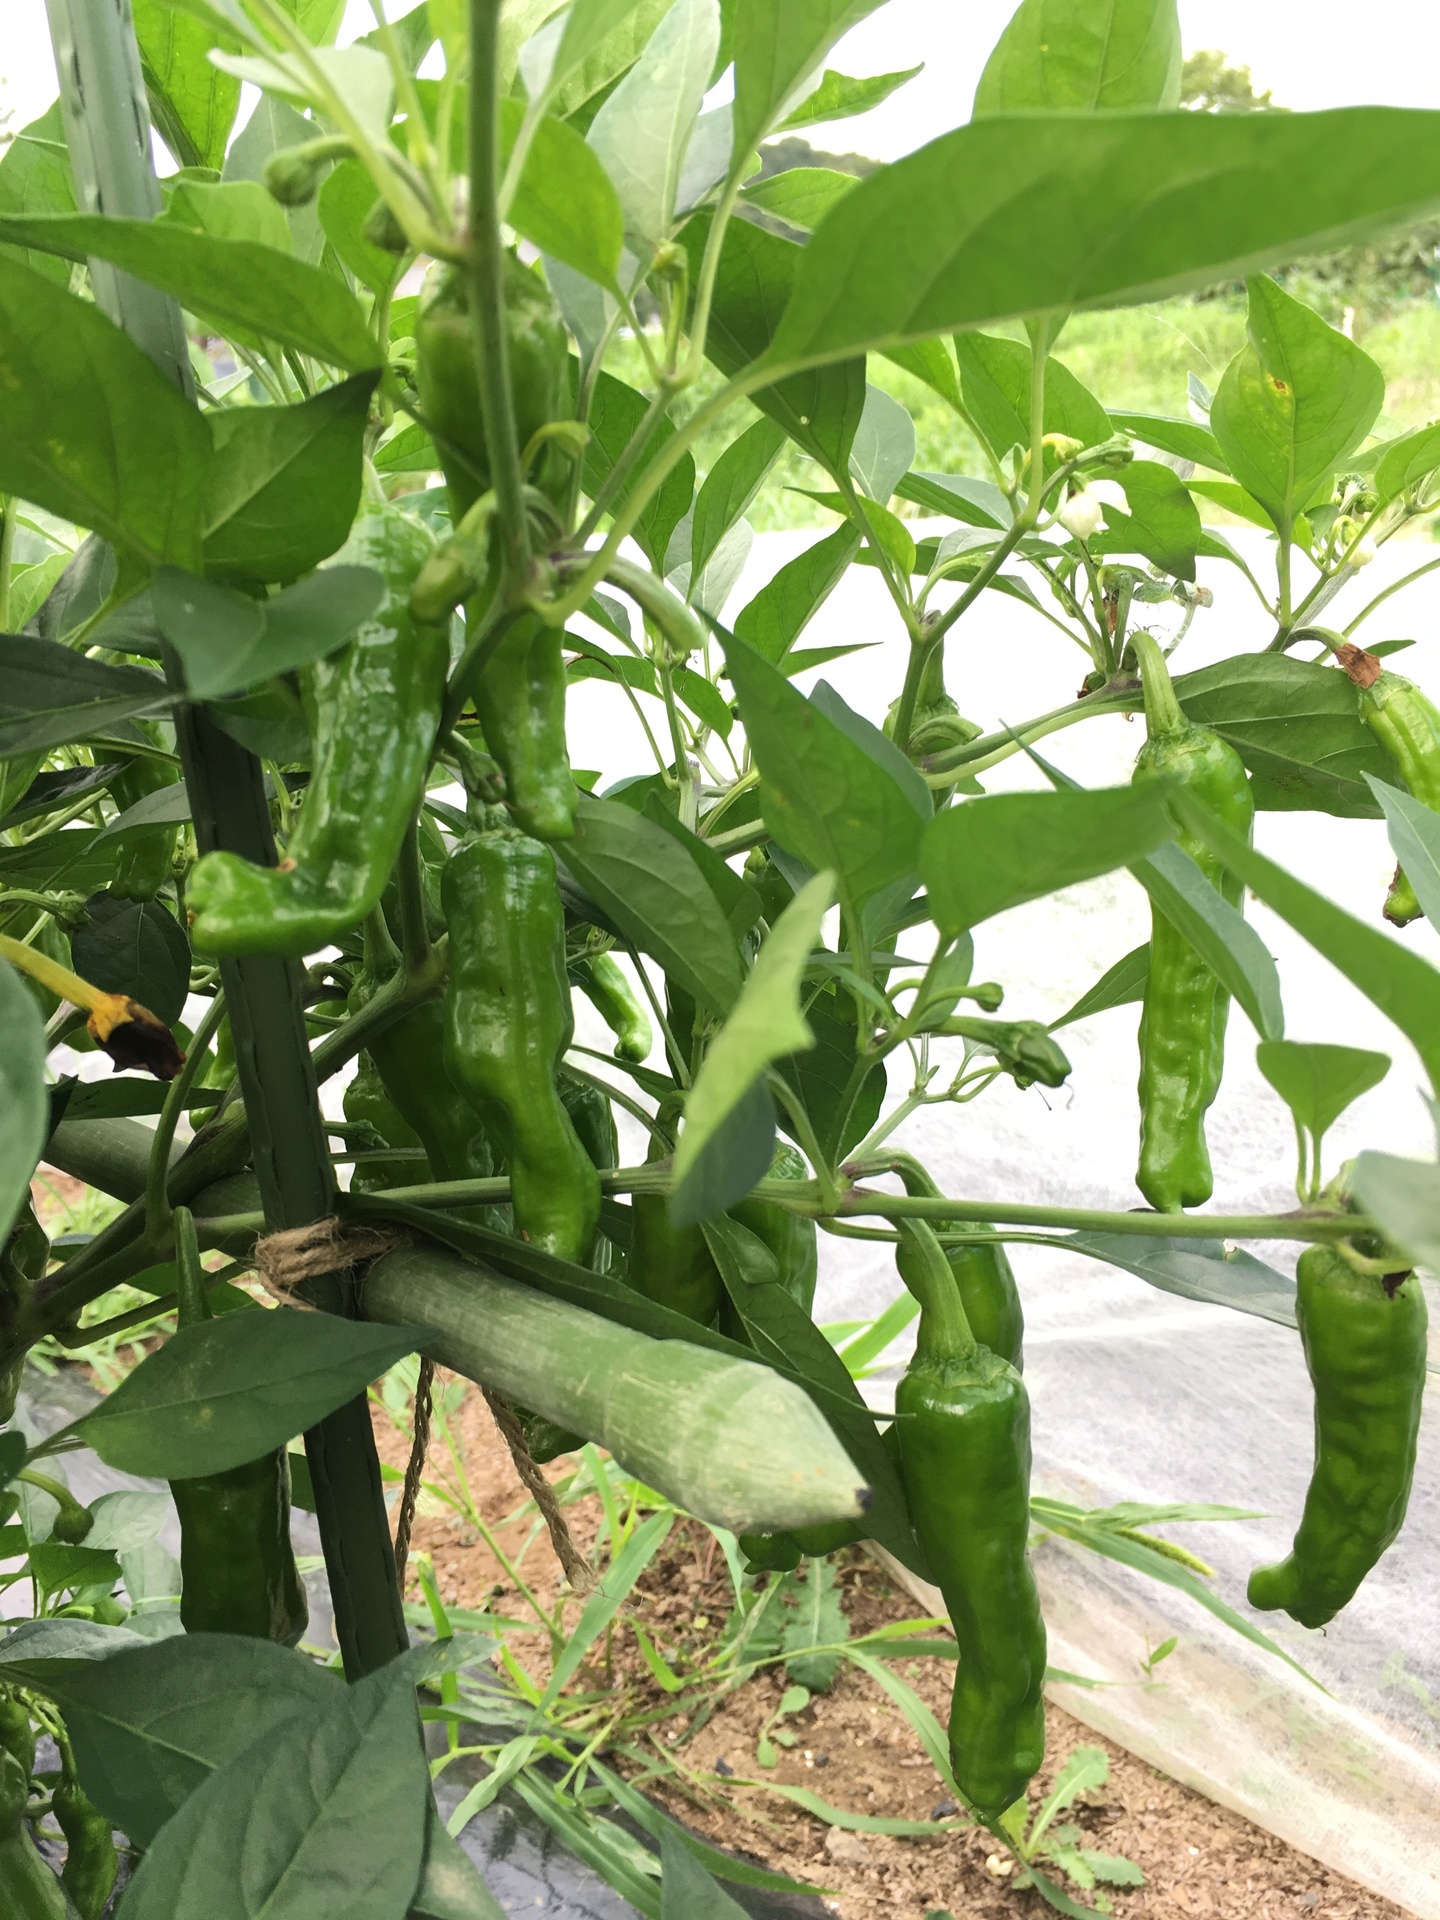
pixel 1313 53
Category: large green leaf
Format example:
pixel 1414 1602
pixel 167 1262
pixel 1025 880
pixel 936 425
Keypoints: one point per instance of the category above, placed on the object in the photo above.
pixel 225 1391
pixel 827 799
pixel 642 132
pixel 35 178
pixel 1297 727
pixel 565 202
pixel 1163 524
pixel 192 103
pixel 996 852
pixel 50 695
pixel 321 1817
pixel 1095 211
pixel 995 379
pixel 24 1102
pixel 1293 403
pixel 135 947
pixel 285 483
pixel 1084 54
pixel 774 620
pixel 242 288
pixel 1404 987
pixel 655 893
pixel 90 428
pixel 228 642
pixel 778 49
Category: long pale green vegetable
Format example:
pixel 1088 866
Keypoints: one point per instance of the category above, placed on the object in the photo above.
pixel 727 1440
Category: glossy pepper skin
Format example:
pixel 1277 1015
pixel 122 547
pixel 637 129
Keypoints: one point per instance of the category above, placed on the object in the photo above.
pixel 670 1265
pixel 376 706
pixel 601 979
pixel 143 863
pixel 1365 1346
pixel 962 1417
pixel 520 699
pixel 91 1863
pixel 1405 722
pixel 237 1565
pixel 28 1889
pixel 508 1022
pixel 792 1238
pixel 1182 1027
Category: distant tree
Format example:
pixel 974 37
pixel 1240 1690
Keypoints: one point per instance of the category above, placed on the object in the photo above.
pixel 1210 84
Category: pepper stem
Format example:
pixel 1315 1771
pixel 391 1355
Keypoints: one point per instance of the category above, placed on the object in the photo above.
pixel 1162 709
pixel 944 1332
pixel 190 1275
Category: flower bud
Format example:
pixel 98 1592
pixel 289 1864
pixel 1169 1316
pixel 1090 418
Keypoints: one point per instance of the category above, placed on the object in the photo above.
pixel 1081 515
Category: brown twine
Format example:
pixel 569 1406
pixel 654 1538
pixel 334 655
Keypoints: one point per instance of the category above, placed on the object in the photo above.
pixel 577 1568
pixel 284 1261
pixel 415 1467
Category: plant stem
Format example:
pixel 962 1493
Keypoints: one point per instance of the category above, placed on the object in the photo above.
pixel 1162 710
pixel 945 1332
pixel 157 1202
pixel 1409 579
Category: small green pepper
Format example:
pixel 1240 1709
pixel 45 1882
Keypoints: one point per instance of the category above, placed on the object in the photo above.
pixel 376 706
pixel 1365 1346
pixel 28 1889
pixel 791 1237
pixel 601 979
pixel 368 1104
pixel 17 1733
pixel 670 1265
pixel 1182 1028
pixel 1405 722
pixel 91 1863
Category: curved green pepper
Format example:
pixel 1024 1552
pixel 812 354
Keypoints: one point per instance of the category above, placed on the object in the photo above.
pixel 508 1023
pixel 963 1419
pixel 28 1889
pixel 376 704
pixel 792 1238
pixel 237 1565
pixel 1182 1028
pixel 91 1863
pixel 145 858
pixel 601 979
pixel 368 1104
pixel 1405 722
pixel 1365 1346
pixel 520 699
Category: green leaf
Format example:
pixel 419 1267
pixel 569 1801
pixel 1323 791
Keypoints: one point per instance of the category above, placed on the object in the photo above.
pixel 151 1723
pixel 1084 55
pixel 643 131
pixel 24 1105
pixel 60 1568
pixel 588 25
pixel 1123 984
pixel 778 50
pixel 1112 208
pixel 736 1154
pixel 50 695
pixel 801 195
pixel 1163 524
pixel 90 428
pixel 773 621
pixel 689 1892
pixel 1219 933
pixel 411 450
pixel 228 642
pixel 1404 987
pixel 739 901
pixel 1233 497
pixel 821 1077
pixel 1406 461
pixel 818 1621
pixel 35 178
pixel 285 483
pixel 617 52
pixel 565 202
pixel 995 378
pixel 322 1817
pixel 227 1390
pixel 1414 832
pixel 730 486
pixel 979 503
pixel 229 210
pixel 1184 439
pixel 655 893
pixel 249 291
pixel 839 97
pixel 765 1024
pixel 450 1886
pixel 825 797
pixel 348 195
pixel 360 75
pixel 272 127
pixel 820 409
pixel 996 852
pixel 883 450
pixel 1317 1082
pixel 1297 727
pixel 1293 403
pixel 616 412
pixel 136 947
pixel 1404 1196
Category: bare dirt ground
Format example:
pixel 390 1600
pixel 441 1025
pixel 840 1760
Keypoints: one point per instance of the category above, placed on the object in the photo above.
pixel 856 1750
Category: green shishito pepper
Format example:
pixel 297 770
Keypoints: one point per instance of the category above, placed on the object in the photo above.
pixel 1182 1028
pixel 671 1265
pixel 91 1863
pixel 519 694
pixel 963 1420
pixel 368 1104
pixel 28 1889
pixel 143 863
pixel 1365 1346
pixel 236 1562
pixel 792 1238
pixel 603 983
pixel 1405 722
pixel 982 1273
pixel 376 706
pixel 508 1022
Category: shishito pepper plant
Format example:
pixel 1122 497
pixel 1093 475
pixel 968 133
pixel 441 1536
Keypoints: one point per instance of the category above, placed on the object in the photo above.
pixel 331 466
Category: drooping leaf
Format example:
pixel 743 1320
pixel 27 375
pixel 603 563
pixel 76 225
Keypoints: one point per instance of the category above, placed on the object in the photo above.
pixel 1205 1270
pixel 615 414
pixel 1093 56
pixel 883 450
pixel 228 642
pixel 729 488
pixel 136 947
pixel 995 380
pixel 1184 439
pixel 1220 934
pixel 50 695
pixel 24 1108
pixel 1163 524
pixel 979 503
pixel 227 1390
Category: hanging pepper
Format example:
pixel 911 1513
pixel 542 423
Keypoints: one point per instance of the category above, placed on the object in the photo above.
pixel 1365 1346
pixel 601 979
pixel 982 1273
pixel 670 1265
pixel 1182 1027
pixel 376 705
pixel 145 858
pixel 91 1863
pixel 1407 725
pixel 28 1889
pixel 508 1023
pixel 963 1419
pixel 237 1565
pixel 790 1236
pixel 368 1104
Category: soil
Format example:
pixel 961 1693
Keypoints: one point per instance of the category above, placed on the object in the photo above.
pixel 853 1747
